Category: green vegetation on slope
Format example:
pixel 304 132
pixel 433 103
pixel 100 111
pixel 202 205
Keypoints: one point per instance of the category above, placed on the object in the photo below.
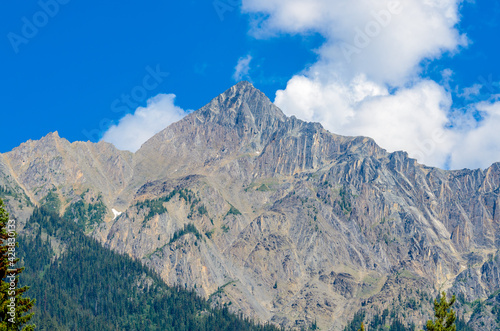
pixel 379 322
pixel 188 228
pixel 20 197
pixel 51 201
pixel 390 321
pixel 86 215
pixel 156 206
pixel 233 211
pixel 79 285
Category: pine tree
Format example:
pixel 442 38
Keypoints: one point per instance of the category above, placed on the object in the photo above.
pixel 445 316
pixel 13 306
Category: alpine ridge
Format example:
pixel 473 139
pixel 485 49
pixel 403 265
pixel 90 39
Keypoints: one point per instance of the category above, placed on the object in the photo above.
pixel 276 217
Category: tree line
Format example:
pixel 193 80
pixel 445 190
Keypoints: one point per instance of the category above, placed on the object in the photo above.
pixel 80 285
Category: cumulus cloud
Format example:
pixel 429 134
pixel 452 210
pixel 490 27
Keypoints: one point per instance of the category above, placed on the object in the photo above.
pixel 135 129
pixel 414 119
pixel 367 80
pixel 479 146
pixel 242 68
pixel 386 40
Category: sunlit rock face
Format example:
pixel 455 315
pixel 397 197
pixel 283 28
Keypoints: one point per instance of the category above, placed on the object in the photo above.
pixel 288 222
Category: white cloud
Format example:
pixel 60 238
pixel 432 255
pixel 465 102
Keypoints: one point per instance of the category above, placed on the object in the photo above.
pixel 385 40
pixel 135 129
pixel 479 147
pixel 471 91
pixel 367 78
pixel 413 119
pixel 242 68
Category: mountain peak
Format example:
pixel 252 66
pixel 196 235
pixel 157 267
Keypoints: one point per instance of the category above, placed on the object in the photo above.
pixel 241 104
pixel 243 84
pixel 239 121
pixel 243 87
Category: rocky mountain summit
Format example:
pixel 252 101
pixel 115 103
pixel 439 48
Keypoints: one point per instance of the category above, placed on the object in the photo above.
pixel 276 217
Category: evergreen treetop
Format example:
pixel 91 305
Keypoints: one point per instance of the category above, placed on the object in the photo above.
pixel 445 316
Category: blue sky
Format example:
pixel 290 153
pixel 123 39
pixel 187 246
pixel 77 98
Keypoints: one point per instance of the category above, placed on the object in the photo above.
pixel 72 74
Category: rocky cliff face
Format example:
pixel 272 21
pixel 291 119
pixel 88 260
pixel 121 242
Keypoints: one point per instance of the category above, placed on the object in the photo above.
pixel 52 164
pixel 290 223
